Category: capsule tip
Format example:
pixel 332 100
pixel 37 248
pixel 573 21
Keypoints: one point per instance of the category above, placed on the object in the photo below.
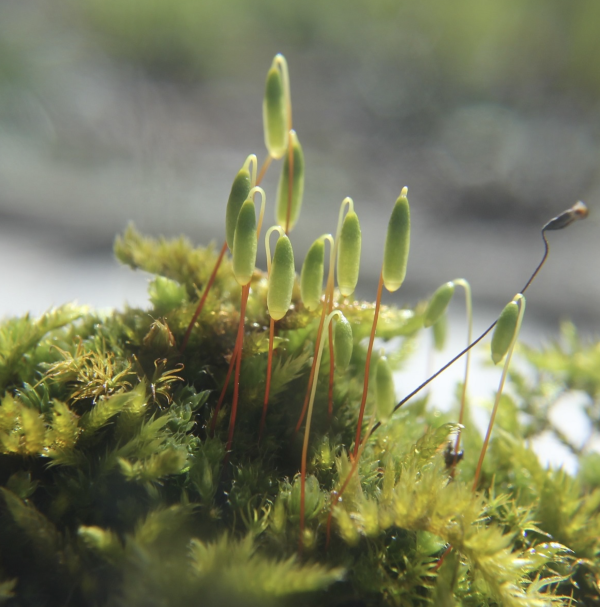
pixel 578 211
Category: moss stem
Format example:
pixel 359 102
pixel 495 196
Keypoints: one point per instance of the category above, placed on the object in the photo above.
pixel 368 366
pixel 207 288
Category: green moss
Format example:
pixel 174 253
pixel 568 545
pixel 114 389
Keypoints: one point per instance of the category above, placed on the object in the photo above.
pixel 114 491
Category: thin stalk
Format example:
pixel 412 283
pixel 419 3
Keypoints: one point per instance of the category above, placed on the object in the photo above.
pixel 263 169
pixel 331 373
pixel 463 398
pixel 327 307
pixel 312 370
pixel 476 341
pixel 338 494
pixel 329 302
pixel 521 300
pixel 271 338
pixel 237 351
pixel 324 311
pixel 307 435
pixel 268 384
pixel 207 288
pixel 213 421
pixel 251 163
pixel 368 366
pixel 236 384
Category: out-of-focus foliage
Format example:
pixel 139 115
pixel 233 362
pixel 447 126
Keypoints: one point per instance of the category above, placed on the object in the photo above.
pixel 472 44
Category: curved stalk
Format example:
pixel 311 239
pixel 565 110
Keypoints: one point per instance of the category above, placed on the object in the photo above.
pixel 327 308
pixel 238 365
pixel 521 301
pixel 579 213
pixel 368 367
pixel 307 434
pixel 338 494
pixel 271 337
pixel 237 352
pixel 463 398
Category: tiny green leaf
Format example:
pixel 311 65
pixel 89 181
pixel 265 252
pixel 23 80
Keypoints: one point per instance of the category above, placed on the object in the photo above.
pixel 239 192
pixel 397 244
pixel 245 243
pixel 504 331
pixel 348 260
pixel 281 207
pixel 438 303
pixel 275 113
pixel 281 279
pixel 385 394
pixel 342 343
pixel 311 277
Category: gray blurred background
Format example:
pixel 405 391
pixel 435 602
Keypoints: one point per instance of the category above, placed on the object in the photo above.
pixel 114 111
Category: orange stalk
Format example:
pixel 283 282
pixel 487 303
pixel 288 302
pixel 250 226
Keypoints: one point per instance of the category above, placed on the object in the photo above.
pixel 263 169
pixel 207 288
pixel 338 495
pixel 306 439
pixel 213 422
pixel 236 384
pixel 327 308
pixel 367 367
pixel 331 376
pixel 268 385
pixel 312 370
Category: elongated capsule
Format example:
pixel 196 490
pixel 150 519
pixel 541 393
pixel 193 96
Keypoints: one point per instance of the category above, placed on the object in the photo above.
pixel 578 211
pixel 281 279
pixel 385 394
pixel 438 303
pixel 348 257
pixel 440 332
pixel 245 243
pixel 311 277
pixel 275 113
pixel 281 207
pixel 342 343
pixel 505 330
pixel 239 192
pixel 397 245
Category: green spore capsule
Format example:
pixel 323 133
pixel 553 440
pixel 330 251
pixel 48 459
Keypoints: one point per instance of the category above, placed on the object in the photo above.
pixel 281 207
pixel 385 394
pixel 397 245
pixel 438 303
pixel 348 260
pixel 504 331
pixel 239 192
pixel 245 243
pixel 281 279
pixel 440 332
pixel 342 343
pixel 275 113
pixel 311 277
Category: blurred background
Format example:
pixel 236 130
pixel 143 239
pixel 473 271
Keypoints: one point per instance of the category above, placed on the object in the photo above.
pixel 118 111
pixel 114 111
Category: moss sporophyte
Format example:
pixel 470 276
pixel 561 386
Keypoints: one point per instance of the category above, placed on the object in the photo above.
pixel 157 456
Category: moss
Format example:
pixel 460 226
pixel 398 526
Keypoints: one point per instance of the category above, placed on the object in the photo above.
pixel 114 490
